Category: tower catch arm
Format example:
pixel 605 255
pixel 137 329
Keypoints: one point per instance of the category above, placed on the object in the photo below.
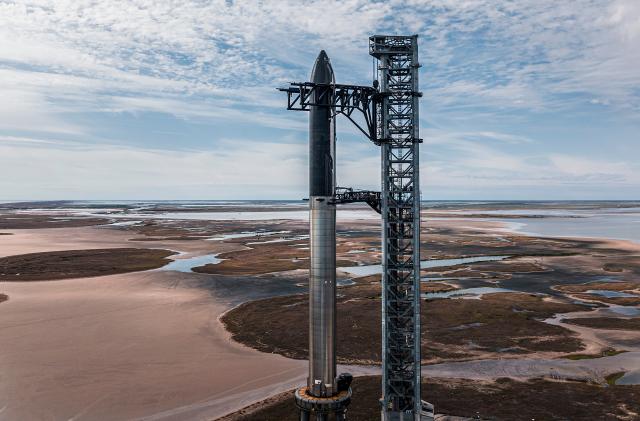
pixel 345 99
pixel 349 195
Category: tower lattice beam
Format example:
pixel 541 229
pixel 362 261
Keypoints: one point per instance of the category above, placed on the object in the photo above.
pixel 398 134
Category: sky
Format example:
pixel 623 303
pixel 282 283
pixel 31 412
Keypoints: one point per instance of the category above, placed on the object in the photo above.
pixel 103 99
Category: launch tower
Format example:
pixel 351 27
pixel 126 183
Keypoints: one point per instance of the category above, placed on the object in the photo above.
pixel 399 139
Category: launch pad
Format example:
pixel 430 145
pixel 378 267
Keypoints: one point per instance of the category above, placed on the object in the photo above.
pixel 323 407
pixel 389 117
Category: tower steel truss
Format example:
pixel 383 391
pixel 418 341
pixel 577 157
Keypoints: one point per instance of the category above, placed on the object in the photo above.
pixel 397 133
pixel 345 99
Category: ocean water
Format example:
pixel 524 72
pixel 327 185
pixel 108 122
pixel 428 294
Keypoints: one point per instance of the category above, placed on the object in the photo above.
pixel 629 311
pixel 612 220
pixel 187 264
pixel 367 270
pixel 613 225
pixel 632 377
pixel 299 215
pixel 594 219
pixel 465 293
pixel 245 234
pixel 611 294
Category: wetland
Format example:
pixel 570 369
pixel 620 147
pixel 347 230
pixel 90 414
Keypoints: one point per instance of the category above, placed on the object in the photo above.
pixel 504 309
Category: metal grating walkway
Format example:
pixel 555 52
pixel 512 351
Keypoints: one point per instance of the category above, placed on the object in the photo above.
pixel 398 135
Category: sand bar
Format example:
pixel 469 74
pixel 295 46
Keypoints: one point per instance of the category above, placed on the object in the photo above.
pixel 123 346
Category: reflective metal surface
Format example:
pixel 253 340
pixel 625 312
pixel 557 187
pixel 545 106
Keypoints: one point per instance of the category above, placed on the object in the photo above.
pixel 322 297
pixel 322 133
pixel 322 271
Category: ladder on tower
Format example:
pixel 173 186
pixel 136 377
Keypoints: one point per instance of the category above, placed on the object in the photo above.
pixel 398 136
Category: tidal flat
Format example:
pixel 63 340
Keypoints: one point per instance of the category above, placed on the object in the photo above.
pixel 474 399
pixel 203 328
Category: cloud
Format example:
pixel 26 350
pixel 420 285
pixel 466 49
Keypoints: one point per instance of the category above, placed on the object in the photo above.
pixel 462 159
pixel 494 73
pixel 625 16
pixel 239 168
pixel 495 53
pixel 29 110
pixel 30 140
pixel 75 171
pixel 589 170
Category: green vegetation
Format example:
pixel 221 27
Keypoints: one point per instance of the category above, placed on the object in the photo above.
pixel 613 378
pixel 496 325
pixel 499 400
pixel 615 323
pixel 80 263
pixel 609 352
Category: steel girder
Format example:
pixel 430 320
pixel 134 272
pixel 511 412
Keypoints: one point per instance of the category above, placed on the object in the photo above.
pixel 398 134
pixel 349 195
pixel 345 99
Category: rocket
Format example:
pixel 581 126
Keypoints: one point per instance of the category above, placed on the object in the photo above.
pixel 322 380
pixel 325 393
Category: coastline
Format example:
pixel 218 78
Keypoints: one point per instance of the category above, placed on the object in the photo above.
pixel 200 372
pixel 534 366
pixel 132 345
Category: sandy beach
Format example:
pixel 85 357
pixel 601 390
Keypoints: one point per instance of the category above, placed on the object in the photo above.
pixel 137 345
